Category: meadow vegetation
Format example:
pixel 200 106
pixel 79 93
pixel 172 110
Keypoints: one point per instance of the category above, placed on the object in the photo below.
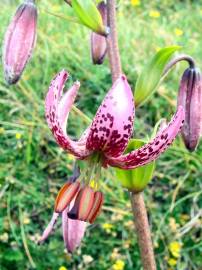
pixel 33 167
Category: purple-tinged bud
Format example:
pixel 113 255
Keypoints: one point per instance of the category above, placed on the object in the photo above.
pixel 98 42
pixel 19 41
pixel 190 97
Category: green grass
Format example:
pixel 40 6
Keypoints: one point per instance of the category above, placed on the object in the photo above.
pixel 33 168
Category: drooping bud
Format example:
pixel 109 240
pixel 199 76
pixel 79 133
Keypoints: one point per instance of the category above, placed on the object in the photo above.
pixel 98 42
pixel 19 41
pixel 66 195
pixel 83 204
pixel 97 205
pixel 190 97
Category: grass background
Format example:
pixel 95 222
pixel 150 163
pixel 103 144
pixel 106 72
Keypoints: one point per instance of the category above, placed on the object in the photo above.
pixel 33 167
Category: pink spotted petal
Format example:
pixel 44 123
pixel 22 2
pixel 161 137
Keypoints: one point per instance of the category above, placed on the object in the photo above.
pixel 152 150
pixel 113 124
pixel 49 228
pixel 57 111
pixel 73 231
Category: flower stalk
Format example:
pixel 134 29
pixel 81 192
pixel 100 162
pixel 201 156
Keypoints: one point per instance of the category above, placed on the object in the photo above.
pixel 143 231
pixel 179 58
pixel 137 200
pixel 112 41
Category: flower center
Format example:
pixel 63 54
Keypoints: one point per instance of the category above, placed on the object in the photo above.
pixel 91 175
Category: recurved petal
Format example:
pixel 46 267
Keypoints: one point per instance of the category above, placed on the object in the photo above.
pixel 113 123
pixel 49 228
pixel 73 231
pixel 153 149
pixel 57 111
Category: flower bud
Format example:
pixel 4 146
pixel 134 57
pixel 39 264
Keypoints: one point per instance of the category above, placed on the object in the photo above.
pixel 190 97
pixel 66 195
pixel 83 204
pixel 98 42
pixel 19 41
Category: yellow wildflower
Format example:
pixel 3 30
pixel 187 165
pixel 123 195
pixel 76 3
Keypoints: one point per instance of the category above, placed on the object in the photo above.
pixel 62 268
pixel 2 130
pixel 175 248
pixel 178 32
pixel 26 220
pixel 154 13
pixel 18 136
pixel 118 265
pixel 135 2
pixel 107 227
pixel 172 262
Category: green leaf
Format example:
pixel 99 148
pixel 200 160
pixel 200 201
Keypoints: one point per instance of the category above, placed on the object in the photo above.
pixel 136 179
pixel 13 255
pixel 150 77
pixel 89 15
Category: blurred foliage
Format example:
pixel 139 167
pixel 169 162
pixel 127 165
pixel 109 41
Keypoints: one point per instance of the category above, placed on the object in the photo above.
pixel 32 167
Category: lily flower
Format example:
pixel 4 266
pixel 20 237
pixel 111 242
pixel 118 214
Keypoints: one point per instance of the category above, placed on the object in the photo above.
pixel 101 145
pixel 110 131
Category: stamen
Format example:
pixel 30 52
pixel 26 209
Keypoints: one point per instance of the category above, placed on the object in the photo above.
pixel 97 205
pixel 83 204
pixel 66 195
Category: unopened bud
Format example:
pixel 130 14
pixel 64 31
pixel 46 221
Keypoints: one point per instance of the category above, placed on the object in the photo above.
pixel 19 41
pixel 99 42
pixel 190 97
